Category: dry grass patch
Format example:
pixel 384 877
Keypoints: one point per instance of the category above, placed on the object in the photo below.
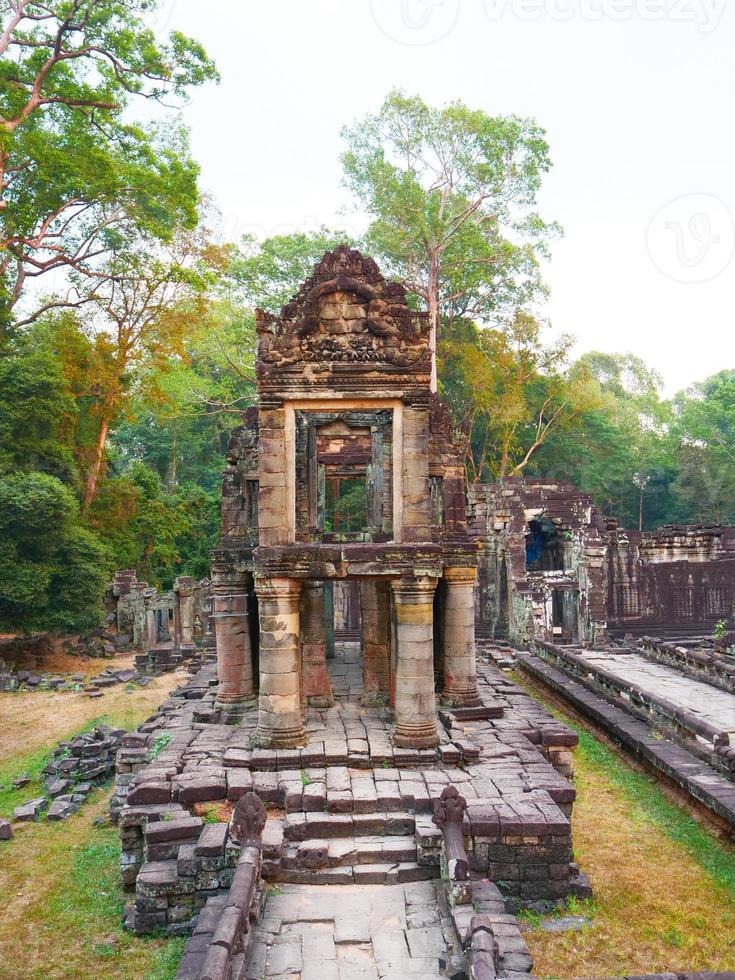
pixel 32 720
pixel 664 886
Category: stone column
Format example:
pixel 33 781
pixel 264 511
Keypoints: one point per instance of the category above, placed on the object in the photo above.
pixel 375 617
pixel 415 701
pixel 280 723
pixel 184 621
pixel 458 634
pixel 151 627
pixel 138 617
pixel 230 589
pixel 313 636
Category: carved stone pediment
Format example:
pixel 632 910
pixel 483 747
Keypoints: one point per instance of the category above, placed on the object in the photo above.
pixel 345 313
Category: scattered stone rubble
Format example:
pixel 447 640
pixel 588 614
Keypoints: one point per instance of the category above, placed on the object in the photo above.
pixel 75 768
pixel 92 686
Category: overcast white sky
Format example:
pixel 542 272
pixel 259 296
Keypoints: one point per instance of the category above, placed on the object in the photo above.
pixel 637 97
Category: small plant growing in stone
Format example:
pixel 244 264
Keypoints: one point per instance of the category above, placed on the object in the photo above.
pixel 304 778
pixel 160 743
pixel 211 814
pixel 720 629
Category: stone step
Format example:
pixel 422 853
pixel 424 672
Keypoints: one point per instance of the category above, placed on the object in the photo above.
pixel 326 826
pixel 316 854
pixel 360 874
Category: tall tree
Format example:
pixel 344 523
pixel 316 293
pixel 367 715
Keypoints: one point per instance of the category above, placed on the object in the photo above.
pixel 510 392
pixel 452 195
pixel 75 173
pixel 704 431
pixel 144 309
pixel 620 449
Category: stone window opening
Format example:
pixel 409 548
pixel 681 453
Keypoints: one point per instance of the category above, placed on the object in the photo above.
pixel 436 501
pixel 545 551
pixel 345 508
pixel 250 503
pixel 344 476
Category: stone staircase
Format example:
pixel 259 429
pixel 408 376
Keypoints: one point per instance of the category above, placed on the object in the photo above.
pixel 377 847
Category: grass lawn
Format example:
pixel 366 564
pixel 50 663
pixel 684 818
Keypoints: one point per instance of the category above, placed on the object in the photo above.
pixel 664 885
pixel 61 903
pixel 62 906
pixel 32 724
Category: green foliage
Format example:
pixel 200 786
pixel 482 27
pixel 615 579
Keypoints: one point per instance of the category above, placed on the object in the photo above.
pixel 704 431
pixel 52 571
pixel 161 532
pixel 452 193
pixel 267 274
pixel 76 173
pixel 159 744
pixel 510 392
pixel 35 409
pixel 720 629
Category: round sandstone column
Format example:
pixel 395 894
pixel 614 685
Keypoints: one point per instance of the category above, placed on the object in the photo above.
pixel 415 702
pixel 375 625
pixel 184 620
pixel 317 686
pixel 232 630
pixel 458 636
pixel 280 723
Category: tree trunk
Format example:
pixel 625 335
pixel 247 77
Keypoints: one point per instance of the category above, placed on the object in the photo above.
pixel 433 304
pixel 94 470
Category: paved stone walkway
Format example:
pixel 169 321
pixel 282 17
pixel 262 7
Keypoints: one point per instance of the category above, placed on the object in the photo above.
pixel 710 703
pixel 368 932
pixel 345 670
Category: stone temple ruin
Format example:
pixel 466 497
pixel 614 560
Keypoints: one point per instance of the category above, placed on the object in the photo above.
pixel 163 627
pixel 346 471
pixel 551 567
pixel 351 792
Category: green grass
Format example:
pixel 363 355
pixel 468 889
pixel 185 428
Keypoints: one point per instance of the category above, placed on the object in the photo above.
pixel 32 763
pixel 92 904
pixel 649 803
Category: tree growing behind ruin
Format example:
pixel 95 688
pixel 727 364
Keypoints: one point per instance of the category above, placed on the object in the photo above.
pixel 510 392
pixel 704 431
pixel 451 193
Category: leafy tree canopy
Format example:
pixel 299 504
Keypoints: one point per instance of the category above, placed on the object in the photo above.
pixel 75 173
